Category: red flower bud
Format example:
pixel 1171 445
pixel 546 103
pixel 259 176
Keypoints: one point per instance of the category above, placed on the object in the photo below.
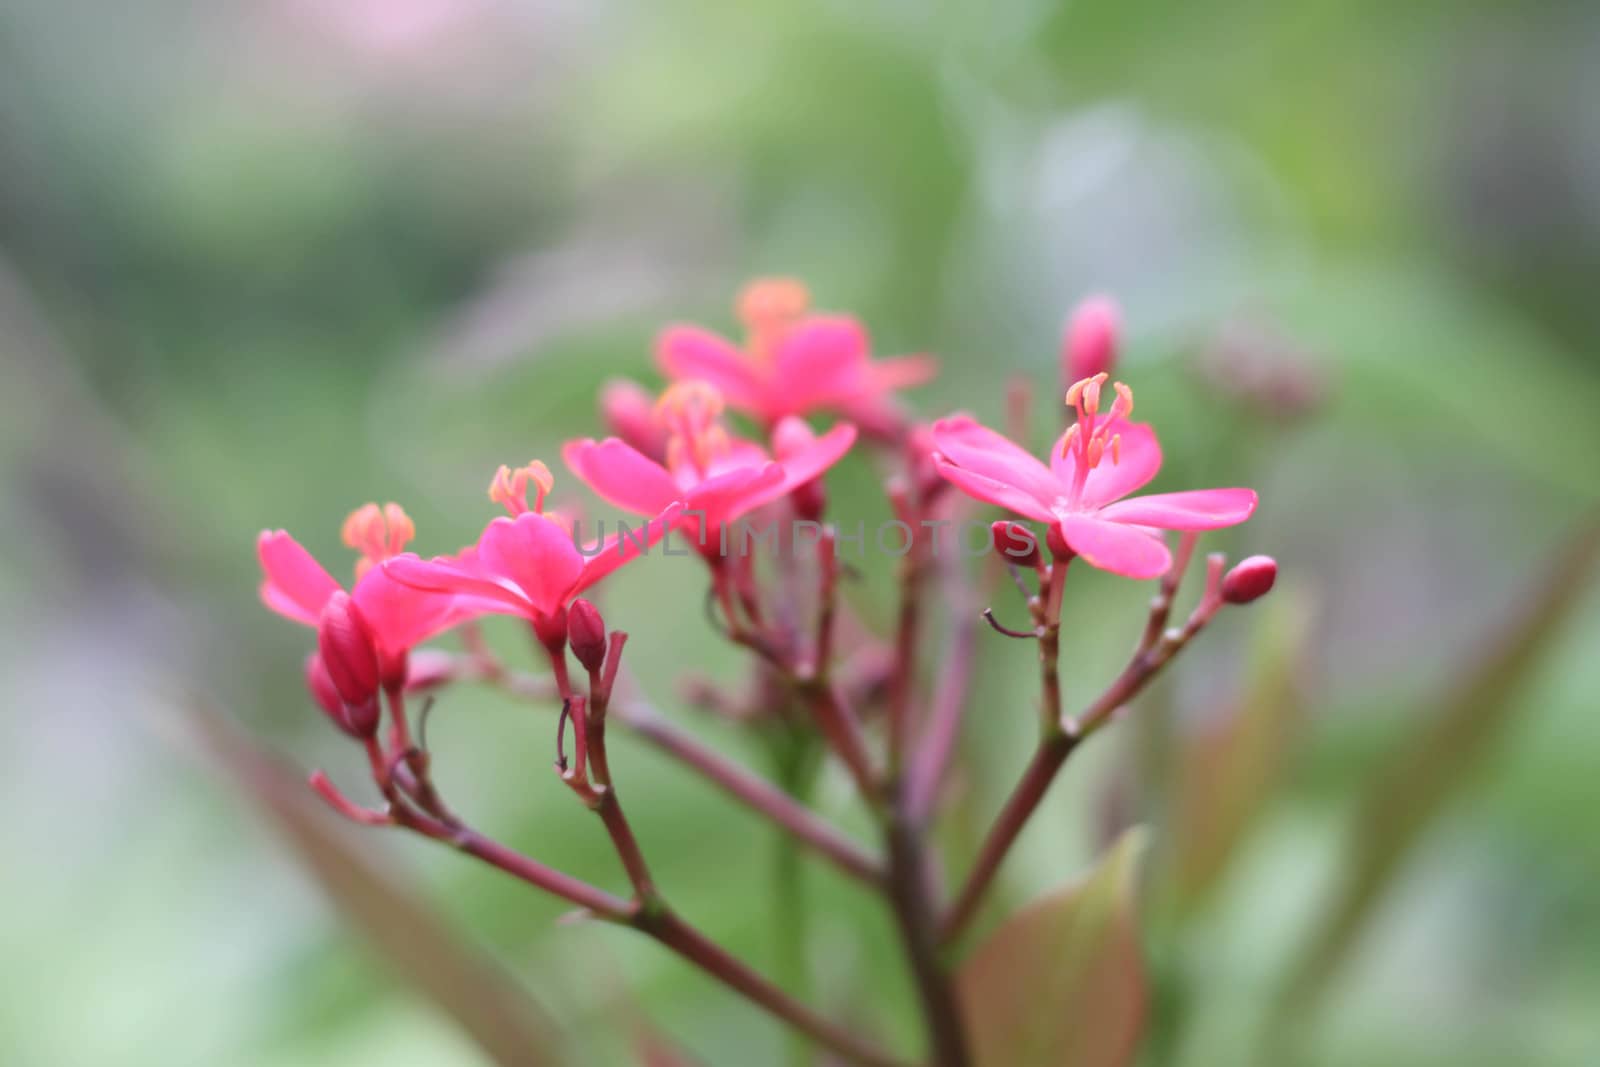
pixel 1090 345
pixel 586 631
pixel 359 722
pixel 1015 543
pixel 1250 579
pixel 321 688
pixel 348 651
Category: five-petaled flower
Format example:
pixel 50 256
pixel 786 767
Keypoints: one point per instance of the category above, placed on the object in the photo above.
pixel 525 563
pixel 297 587
pixel 793 362
pixel 1093 466
pixel 716 476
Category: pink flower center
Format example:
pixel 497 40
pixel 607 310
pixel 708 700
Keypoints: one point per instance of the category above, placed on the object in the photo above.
pixel 378 534
pixel 1093 436
pixel 509 488
pixel 691 412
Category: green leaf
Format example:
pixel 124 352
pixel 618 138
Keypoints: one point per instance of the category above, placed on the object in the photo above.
pixel 1062 983
pixel 409 936
pixel 1434 763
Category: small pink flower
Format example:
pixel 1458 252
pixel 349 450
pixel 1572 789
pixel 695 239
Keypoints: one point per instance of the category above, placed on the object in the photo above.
pixel 793 362
pixel 297 587
pixel 717 477
pixel 1093 466
pixel 525 563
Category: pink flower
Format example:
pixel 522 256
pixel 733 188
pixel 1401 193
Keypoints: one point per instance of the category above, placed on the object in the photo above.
pixel 793 362
pixel 297 587
pixel 1094 465
pixel 525 563
pixel 717 477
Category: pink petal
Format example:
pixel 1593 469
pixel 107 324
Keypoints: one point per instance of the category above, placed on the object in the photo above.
pixel 1137 461
pixel 445 575
pixel 993 492
pixel 536 555
pixel 621 475
pixel 807 462
pixel 822 361
pixel 688 352
pixel 619 549
pixel 976 448
pixel 1196 509
pixel 1113 547
pixel 902 372
pixel 727 496
pixel 402 616
pixel 296 586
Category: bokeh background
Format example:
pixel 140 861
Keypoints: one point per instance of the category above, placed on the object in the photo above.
pixel 260 263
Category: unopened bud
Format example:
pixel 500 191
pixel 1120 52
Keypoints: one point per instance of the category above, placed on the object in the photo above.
pixel 790 437
pixel 321 688
pixel 586 632
pixel 1090 345
pixel 359 722
pixel 1015 543
pixel 1250 579
pixel 628 410
pixel 348 651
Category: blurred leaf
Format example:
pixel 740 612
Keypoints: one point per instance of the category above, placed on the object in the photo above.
pixel 485 1001
pixel 1437 761
pixel 1228 770
pixel 1061 983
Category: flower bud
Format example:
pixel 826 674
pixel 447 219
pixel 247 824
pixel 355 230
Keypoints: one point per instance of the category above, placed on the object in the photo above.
pixel 1090 345
pixel 1250 579
pixel 348 652
pixel 586 631
pixel 321 688
pixel 790 437
pixel 628 410
pixel 359 722
pixel 1015 543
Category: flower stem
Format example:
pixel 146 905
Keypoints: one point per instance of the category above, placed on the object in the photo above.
pixel 1061 740
pixel 911 900
pixel 671 931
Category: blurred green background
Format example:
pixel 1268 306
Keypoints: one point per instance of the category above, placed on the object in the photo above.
pixel 261 263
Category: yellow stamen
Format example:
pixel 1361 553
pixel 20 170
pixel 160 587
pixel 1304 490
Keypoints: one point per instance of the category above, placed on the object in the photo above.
pixel 1123 406
pixel 378 534
pixel 1067 440
pixel 1075 393
pixel 772 301
pixel 509 488
pixel 1116 450
pixel 769 309
pixel 1097 451
pixel 689 399
pixel 401 528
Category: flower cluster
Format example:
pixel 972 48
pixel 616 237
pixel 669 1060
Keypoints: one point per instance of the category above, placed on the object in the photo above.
pixel 676 463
